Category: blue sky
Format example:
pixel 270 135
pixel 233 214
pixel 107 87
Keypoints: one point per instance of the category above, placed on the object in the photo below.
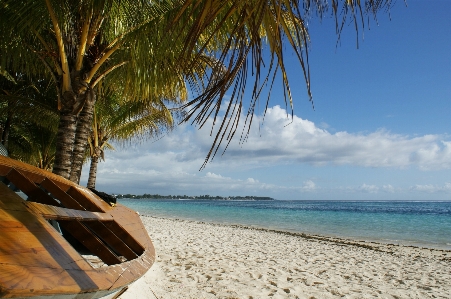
pixel 380 129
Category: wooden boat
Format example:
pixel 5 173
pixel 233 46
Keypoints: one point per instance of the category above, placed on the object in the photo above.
pixel 64 241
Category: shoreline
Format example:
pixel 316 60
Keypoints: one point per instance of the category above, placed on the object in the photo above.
pixel 419 225
pixel 207 260
pixel 337 239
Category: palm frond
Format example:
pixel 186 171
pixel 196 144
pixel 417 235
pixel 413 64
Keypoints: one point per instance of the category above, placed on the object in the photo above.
pixel 245 36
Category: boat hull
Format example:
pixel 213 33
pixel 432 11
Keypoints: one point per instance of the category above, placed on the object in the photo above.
pixel 38 260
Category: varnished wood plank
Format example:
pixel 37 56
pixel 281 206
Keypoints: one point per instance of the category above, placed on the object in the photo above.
pixel 128 276
pixel 38 252
pixel 83 200
pixel 33 192
pixel 65 199
pixel 130 222
pixel 10 205
pixel 136 268
pixel 102 204
pixel 30 171
pixel 134 229
pixel 32 176
pixel 4 169
pixel 125 236
pixel 26 239
pixel 20 219
pixel 25 281
pixel 22 281
pixel 40 255
pixel 8 195
pixel 29 281
pixel 90 241
pixel 111 239
pixel 58 213
pixel 40 248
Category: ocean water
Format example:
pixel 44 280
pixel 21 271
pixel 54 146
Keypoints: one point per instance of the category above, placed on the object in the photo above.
pixel 425 224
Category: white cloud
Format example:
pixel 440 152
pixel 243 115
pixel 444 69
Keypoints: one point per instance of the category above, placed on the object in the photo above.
pixel 215 176
pixel 309 186
pixel 301 141
pixel 388 188
pixel 252 181
pixel 429 188
pixel 424 188
pixel 369 188
pixel 282 139
pixel 172 163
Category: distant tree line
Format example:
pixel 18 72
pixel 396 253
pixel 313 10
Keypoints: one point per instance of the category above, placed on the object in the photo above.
pixel 209 197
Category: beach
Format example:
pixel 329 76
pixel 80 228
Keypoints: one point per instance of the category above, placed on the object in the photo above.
pixel 204 260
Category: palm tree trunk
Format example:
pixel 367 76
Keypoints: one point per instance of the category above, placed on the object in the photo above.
pixel 93 173
pixel 81 138
pixel 73 101
pixel 65 143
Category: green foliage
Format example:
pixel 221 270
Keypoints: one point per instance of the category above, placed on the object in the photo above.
pixel 28 121
pixel 123 120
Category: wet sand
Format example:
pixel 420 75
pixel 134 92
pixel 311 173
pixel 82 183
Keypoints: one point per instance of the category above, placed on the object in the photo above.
pixel 203 260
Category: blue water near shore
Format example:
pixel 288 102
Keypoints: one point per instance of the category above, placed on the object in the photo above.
pixel 425 224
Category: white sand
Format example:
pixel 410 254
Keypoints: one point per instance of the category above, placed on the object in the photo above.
pixel 201 260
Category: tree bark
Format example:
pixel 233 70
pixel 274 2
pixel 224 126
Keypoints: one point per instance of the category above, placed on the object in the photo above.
pixel 93 172
pixel 81 137
pixel 73 102
pixel 65 143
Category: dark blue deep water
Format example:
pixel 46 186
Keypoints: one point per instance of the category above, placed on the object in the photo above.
pixel 425 224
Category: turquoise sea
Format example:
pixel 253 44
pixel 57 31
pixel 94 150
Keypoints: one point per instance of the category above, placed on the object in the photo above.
pixel 425 224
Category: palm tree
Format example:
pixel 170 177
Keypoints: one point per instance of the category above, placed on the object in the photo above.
pixel 154 47
pixel 120 120
pixel 79 44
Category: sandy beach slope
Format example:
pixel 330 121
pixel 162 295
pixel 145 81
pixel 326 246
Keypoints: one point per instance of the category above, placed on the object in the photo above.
pixel 202 260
